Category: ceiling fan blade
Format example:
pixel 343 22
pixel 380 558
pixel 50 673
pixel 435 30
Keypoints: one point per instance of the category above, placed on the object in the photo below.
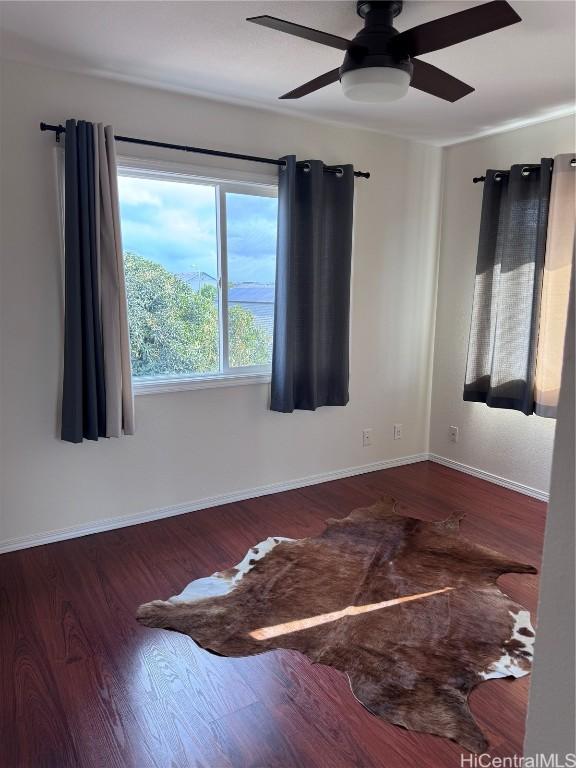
pixel 315 35
pixel 455 28
pixel 313 85
pixel 436 82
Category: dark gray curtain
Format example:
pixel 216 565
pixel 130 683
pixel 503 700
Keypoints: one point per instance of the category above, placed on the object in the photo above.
pixel 83 397
pixel 310 365
pixel 504 330
pixel 97 386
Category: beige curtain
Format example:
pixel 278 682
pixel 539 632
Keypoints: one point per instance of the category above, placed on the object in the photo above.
pixel 556 285
pixel 114 311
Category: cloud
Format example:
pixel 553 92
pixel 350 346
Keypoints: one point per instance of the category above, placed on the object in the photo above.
pixel 174 223
pixel 133 192
pixel 251 237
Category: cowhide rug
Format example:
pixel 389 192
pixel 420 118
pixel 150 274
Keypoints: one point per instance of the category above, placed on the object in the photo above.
pixel 407 609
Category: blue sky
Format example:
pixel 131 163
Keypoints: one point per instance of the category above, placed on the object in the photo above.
pixel 174 223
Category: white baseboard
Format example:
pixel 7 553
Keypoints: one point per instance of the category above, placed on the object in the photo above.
pixel 111 523
pixel 511 484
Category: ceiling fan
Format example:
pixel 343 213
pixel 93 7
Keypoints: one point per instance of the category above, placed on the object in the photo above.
pixel 379 63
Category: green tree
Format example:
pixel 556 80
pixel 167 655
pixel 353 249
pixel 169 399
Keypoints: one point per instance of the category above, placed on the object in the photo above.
pixel 174 329
pixel 247 344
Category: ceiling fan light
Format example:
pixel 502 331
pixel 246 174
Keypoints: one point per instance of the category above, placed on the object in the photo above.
pixel 375 84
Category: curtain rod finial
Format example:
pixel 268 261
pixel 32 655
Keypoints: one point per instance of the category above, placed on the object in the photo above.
pixel 58 129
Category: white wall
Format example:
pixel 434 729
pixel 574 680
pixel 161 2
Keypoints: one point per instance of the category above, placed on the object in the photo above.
pixel 197 444
pixel 504 443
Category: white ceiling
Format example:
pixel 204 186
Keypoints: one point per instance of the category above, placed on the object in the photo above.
pixel 522 74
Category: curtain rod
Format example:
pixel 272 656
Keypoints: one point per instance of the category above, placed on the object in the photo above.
pixel 525 170
pixel 58 129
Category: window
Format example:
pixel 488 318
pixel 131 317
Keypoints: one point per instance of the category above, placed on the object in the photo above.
pixel 200 265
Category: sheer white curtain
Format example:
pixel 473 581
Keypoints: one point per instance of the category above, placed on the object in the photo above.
pixel 115 336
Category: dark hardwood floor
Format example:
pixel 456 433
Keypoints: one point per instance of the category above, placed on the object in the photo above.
pixel 84 685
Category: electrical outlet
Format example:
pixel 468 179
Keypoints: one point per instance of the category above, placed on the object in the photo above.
pixel 366 437
pixel 397 431
pixel 454 433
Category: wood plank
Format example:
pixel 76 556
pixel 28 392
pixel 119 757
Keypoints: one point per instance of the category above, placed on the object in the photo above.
pixel 35 724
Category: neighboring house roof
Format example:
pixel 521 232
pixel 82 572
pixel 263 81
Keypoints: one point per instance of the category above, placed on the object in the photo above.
pixel 256 298
pixel 197 279
pixel 251 293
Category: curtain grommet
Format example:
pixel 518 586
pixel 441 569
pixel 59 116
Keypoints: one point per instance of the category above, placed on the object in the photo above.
pixel 525 171
pixel 307 167
pixel 339 172
pixel 573 162
pixel 497 177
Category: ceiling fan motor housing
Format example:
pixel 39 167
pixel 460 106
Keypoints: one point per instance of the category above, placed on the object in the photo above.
pixel 370 46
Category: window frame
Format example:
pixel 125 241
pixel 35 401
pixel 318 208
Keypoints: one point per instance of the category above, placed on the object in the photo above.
pixel 225 180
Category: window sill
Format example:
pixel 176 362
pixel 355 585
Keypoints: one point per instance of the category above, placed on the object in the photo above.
pixel 157 385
